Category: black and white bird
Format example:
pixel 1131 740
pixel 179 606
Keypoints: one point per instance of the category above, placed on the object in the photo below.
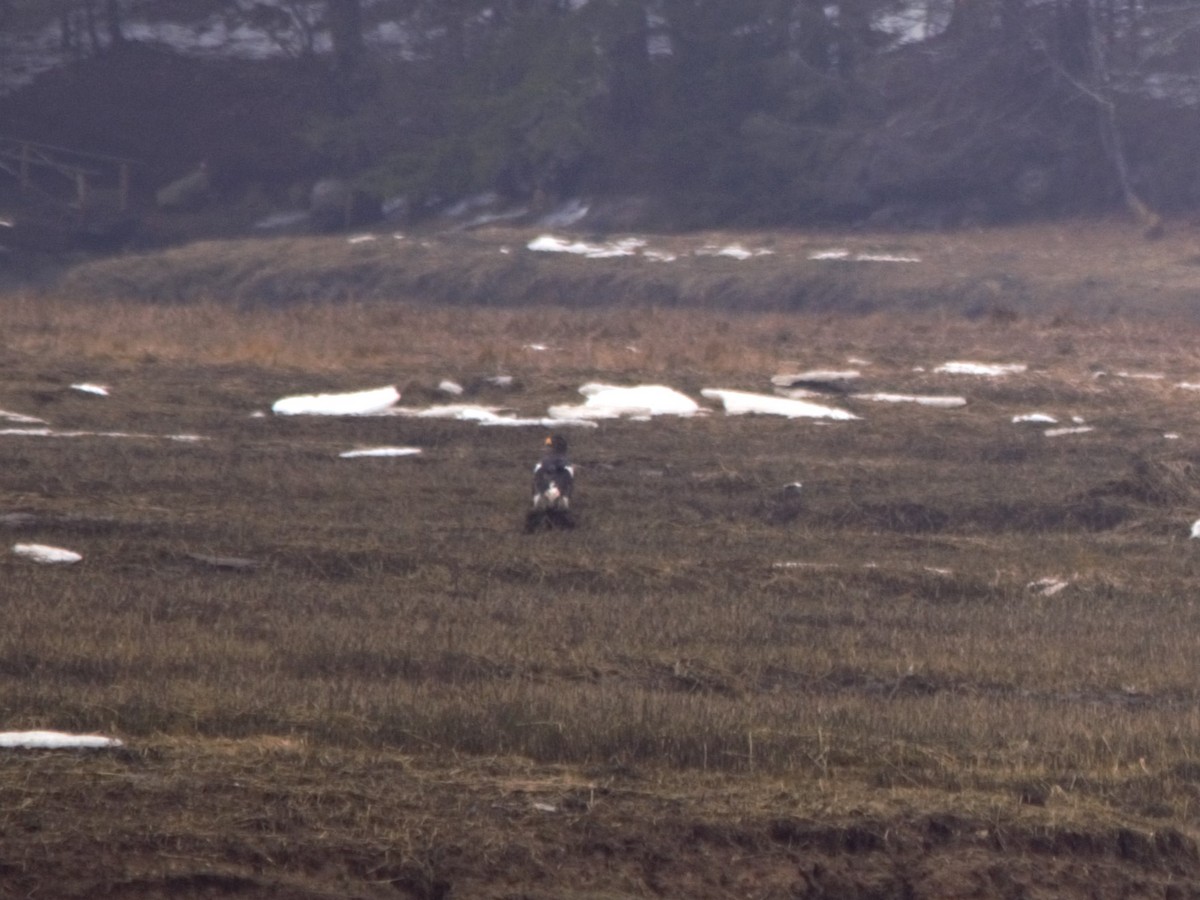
pixel 553 482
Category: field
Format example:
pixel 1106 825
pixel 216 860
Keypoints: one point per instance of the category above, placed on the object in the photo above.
pixel 959 661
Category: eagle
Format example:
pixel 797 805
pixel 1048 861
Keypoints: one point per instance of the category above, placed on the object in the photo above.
pixel 553 482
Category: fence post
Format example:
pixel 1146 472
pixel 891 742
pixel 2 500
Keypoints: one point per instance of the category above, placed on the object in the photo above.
pixel 81 189
pixel 124 186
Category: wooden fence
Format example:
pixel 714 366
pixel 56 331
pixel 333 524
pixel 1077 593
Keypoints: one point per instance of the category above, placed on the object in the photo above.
pixel 84 171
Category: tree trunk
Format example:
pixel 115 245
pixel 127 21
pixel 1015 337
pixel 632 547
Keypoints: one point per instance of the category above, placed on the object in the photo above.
pixel 345 30
pixel 1110 131
pixel 112 22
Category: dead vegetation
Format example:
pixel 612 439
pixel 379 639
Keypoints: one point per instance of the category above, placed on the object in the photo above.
pixel 358 678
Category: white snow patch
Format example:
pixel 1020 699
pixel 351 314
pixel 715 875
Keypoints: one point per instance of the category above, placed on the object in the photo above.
pixel 1189 385
pixel 1047 587
pixel 1039 418
pixel 840 253
pixel 43 553
pixel 536 348
pixel 281 220
pixel 486 415
pixel 548 243
pixel 380 451
pixel 990 370
pixel 87 388
pixel 885 257
pixel 503 381
pixel 1146 376
pixel 733 251
pixel 450 387
pixel 361 239
pixel 565 215
pixel 659 255
pixel 739 403
pixel 357 403
pixel 21 418
pixel 50 432
pixel 1171 436
pixel 1196 529
pixel 607 401
pixel 1059 432
pixel 942 402
pixel 54 740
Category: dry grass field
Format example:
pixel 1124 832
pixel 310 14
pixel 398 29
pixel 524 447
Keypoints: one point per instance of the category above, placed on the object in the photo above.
pixel 960 662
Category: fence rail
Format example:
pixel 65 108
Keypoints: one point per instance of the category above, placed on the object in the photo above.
pixel 21 158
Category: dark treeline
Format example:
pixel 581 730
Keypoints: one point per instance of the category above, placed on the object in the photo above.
pixel 737 112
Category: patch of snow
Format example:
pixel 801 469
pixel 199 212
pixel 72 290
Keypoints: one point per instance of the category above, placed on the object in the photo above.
pixel 547 243
pixel 380 451
pixel 450 387
pixel 659 255
pixel 942 402
pixel 1039 418
pixel 565 215
pixel 606 401
pixel 739 403
pixel 361 239
pixel 97 389
pixel 1196 529
pixel 47 555
pixel 989 370
pixel 356 403
pixel 1047 587
pixel 473 203
pixel 281 220
pixel 1189 385
pixel 536 348
pixel 839 253
pixel 733 251
pixel 885 257
pixel 1171 436
pixel 485 415
pixel 54 740
pixel 21 418
pixel 489 217
pixel 1059 432
pixel 50 432
pixel 1146 376
pixel 503 381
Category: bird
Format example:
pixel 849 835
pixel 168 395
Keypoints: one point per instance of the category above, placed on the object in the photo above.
pixel 553 483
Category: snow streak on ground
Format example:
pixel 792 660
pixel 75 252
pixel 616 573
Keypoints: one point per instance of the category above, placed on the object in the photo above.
pixel 54 740
pixel 356 403
pixel 47 555
pixel 741 402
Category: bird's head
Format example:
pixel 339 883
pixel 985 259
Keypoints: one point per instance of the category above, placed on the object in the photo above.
pixel 556 443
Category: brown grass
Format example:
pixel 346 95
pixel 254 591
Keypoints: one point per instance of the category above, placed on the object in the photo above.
pixel 710 689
